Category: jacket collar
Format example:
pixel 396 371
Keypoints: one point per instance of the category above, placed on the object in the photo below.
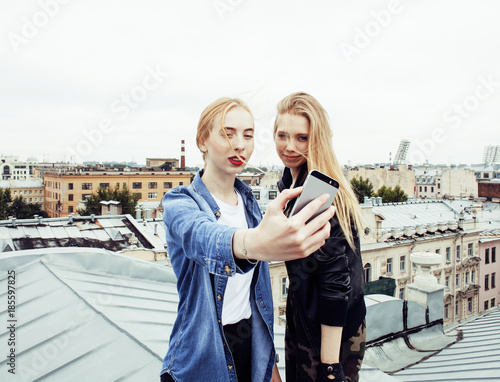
pixel 287 180
pixel 200 188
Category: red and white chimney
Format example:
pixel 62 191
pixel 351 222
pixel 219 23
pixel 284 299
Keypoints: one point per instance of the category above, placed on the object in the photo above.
pixel 183 154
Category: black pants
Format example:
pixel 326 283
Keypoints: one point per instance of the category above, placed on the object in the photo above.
pixel 239 339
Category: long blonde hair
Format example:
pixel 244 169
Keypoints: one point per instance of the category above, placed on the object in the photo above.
pixel 320 156
pixel 218 108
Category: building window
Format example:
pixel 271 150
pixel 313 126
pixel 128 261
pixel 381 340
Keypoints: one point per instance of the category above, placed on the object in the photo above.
pixel 493 281
pixel 124 185
pixel 493 302
pixel 86 186
pixel 469 305
pixel 439 186
pixel 138 195
pixel 447 282
pixel 486 305
pixel 137 185
pixel 458 252
pixel 256 194
pixel 152 195
pixel 284 288
pixel 70 186
pixel 457 280
pixel 389 266
pixel 70 209
pixel 456 310
pixel 487 256
pixel 367 268
pixel 487 282
pixel 401 293
pixel 273 195
pixel 181 183
pixel 167 184
pixel 470 250
pixel 152 185
pixel 104 185
pixel 420 188
pixel 448 254
pixel 473 277
pixel 494 254
pixel 466 278
pixel 402 263
pixel 447 312
pixel 425 188
pixel 70 197
pixel 432 189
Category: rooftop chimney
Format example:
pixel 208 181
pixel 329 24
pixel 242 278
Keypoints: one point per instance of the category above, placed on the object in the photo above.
pixel 183 154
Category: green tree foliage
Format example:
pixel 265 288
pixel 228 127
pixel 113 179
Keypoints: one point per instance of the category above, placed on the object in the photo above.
pixel 362 187
pixel 127 200
pixel 17 207
pixel 390 195
pixel 5 200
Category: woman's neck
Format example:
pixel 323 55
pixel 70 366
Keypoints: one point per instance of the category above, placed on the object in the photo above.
pixel 220 186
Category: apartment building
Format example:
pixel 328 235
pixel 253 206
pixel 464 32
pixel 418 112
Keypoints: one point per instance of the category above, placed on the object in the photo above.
pixel 439 182
pixel 12 168
pixel 31 190
pixel 64 189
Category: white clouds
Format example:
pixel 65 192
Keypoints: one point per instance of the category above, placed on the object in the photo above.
pixel 428 57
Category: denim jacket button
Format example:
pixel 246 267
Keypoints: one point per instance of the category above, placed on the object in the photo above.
pixel 219 297
pixel 230 367
pixel 227 269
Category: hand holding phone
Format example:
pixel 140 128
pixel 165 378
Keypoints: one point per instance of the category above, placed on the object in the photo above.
pixel 316 184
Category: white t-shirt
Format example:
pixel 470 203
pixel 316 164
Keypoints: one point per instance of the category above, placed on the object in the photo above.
pixel 236 304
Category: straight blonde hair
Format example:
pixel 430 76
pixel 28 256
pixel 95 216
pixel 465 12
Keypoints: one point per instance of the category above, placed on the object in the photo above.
pixel 320 156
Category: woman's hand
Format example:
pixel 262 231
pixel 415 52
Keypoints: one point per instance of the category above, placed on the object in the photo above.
pixel 276 374
pixel 280 238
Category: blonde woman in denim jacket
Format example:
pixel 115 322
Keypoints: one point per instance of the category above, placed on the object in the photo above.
pixel 219 246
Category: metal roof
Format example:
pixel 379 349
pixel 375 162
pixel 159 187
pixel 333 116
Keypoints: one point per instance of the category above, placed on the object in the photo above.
pixel 108 232
pixel 87 314
pixel 476 357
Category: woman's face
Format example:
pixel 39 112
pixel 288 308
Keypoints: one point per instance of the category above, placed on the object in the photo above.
pixel 292 140
pixel 219 156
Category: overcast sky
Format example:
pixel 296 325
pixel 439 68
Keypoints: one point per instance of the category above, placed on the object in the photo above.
pixel 124 80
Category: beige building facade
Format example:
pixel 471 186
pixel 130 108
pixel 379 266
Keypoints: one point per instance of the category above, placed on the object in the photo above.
pixel 65 189
pixel 454 182
pixel 31 190
pixel 401 175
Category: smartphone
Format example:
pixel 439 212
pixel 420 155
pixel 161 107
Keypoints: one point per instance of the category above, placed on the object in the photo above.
pixel 316 184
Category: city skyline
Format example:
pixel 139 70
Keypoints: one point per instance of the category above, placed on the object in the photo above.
pixel 133 84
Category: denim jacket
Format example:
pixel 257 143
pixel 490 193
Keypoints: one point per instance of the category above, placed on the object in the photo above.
pixel 201 254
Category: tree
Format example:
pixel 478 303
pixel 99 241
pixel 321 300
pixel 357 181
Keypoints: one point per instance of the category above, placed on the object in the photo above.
pixel 127 200
pixel 18 208
pixel 390 195
pixel 5 200
pixel 362 187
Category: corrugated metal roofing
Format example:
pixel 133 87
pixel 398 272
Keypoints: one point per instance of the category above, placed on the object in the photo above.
pixel 87 314
pixel 112 233
pixel 476 357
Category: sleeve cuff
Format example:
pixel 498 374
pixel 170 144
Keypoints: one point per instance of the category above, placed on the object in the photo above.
pixel 332 313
